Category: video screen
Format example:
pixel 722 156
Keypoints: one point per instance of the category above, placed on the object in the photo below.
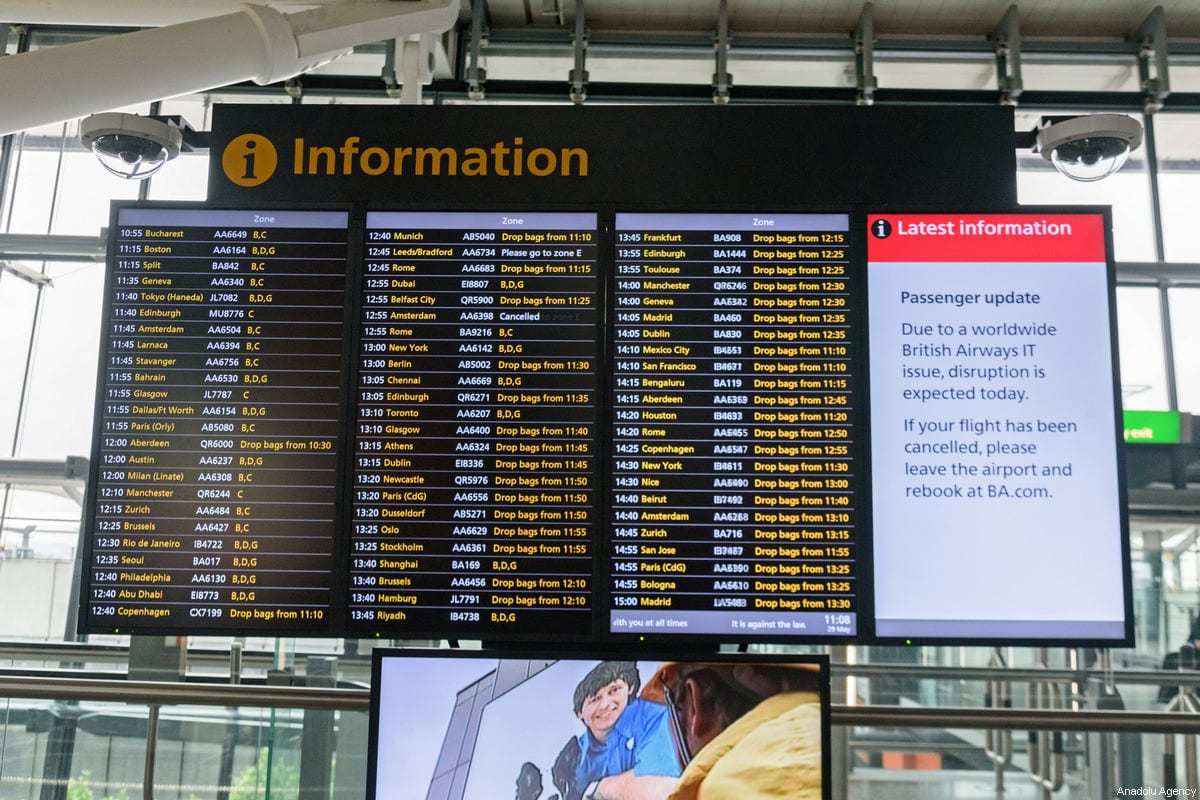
pixel 736 485
pixel 463 725
pixel 477 425
pixel 218 427
pixel 996 475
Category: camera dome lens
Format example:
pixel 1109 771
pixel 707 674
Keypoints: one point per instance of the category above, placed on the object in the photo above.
pixel 1090 159
pixel 129 156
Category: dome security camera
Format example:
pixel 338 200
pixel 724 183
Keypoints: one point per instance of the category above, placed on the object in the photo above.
pixel 130 146
pixel 1088 148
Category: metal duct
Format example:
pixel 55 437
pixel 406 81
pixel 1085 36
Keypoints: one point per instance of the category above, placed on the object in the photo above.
pixel 255 43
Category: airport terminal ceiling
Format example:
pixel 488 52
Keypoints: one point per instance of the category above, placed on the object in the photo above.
pixel 1072 52
pixel 663 50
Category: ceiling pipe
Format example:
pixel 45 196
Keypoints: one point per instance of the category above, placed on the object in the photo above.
pixel 131 13
pixel 255 43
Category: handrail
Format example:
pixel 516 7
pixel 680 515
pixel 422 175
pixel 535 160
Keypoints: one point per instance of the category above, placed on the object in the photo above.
pixel 262 661
pixel 1015 719
pixel 1015 674
pixel 170 693
pixel 167 693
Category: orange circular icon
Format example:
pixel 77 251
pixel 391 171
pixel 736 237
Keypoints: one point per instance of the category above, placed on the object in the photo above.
pixel 249 159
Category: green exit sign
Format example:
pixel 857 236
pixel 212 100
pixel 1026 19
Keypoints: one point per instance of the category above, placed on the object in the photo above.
pixel 1157 427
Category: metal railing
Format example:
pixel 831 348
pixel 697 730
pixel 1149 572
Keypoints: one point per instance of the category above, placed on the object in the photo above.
pixel 207 694
pixel 1039 722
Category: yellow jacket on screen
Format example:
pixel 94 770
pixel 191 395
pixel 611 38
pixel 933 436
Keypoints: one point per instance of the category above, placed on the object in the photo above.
pixel 771 753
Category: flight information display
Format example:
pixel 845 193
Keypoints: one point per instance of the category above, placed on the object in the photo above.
pixel 217 452
pixel 734 501
pixel 475 450
pixel 606 425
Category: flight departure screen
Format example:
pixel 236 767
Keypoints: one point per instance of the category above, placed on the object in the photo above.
pixel 734 497
pixel 218 421
pixel 475 455
pixel 606 425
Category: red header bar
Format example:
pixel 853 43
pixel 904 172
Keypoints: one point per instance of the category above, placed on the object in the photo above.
pixel 982 238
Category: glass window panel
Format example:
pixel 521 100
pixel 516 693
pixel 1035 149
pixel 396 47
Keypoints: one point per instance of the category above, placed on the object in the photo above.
pixel 825 71
pixel 1177 141
pixel 1185 341
pixel 36 563
pixel 85 189
pixel 1075 75
pixel 61 397
pixel 17 304
pixel 185 178
pixel 923 72
pixel 616 67
pixel 43 523
pixel 33 177
pixel 1185 78
pixel 195 108
pixel 1180 196
pixel 22 748
pixel 1143 363
pixel 552 64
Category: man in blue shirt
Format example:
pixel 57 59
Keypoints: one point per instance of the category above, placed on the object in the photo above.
pixel 626 751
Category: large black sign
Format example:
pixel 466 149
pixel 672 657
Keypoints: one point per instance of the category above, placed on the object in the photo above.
pixel 606 373
pixel 635 157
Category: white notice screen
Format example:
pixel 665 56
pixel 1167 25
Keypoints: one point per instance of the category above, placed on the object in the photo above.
pixel 997 508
